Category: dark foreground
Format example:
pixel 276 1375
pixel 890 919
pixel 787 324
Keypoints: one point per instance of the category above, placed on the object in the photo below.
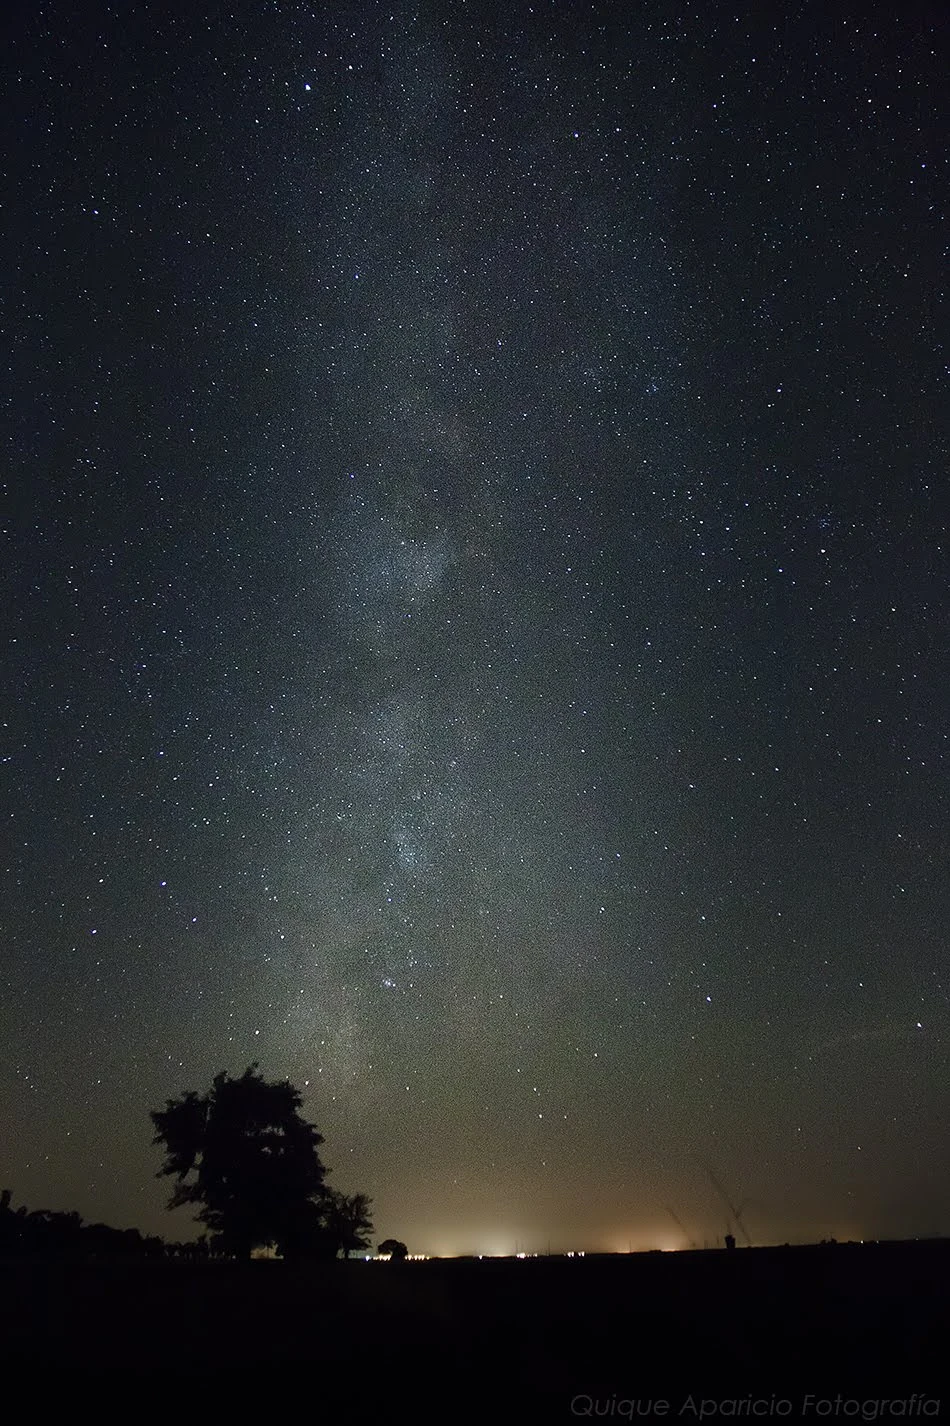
pixel 752 1333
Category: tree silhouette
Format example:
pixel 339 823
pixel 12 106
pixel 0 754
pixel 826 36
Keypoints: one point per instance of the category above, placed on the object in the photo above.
pixel 244 1156
pixel 396 1250
pixel 348 1222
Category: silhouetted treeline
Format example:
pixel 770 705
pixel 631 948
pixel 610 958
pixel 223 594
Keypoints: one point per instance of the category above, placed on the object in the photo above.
pixel 245 1157
pixel 44 1233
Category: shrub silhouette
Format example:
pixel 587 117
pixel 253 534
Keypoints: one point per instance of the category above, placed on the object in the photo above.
pixel 396 1250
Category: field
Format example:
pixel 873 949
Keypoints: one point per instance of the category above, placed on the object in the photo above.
pixel 543 1339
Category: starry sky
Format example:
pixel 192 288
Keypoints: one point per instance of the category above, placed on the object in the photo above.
pixel 474 614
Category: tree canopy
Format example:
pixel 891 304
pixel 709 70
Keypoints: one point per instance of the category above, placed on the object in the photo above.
pixel 244 1155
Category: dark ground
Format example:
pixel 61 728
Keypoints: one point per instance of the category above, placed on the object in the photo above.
pixel 499 1340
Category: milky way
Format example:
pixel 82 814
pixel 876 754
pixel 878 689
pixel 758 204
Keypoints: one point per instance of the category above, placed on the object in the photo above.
pixel 475 611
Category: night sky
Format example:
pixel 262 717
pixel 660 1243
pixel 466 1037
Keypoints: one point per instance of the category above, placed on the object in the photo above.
pixel 474 609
